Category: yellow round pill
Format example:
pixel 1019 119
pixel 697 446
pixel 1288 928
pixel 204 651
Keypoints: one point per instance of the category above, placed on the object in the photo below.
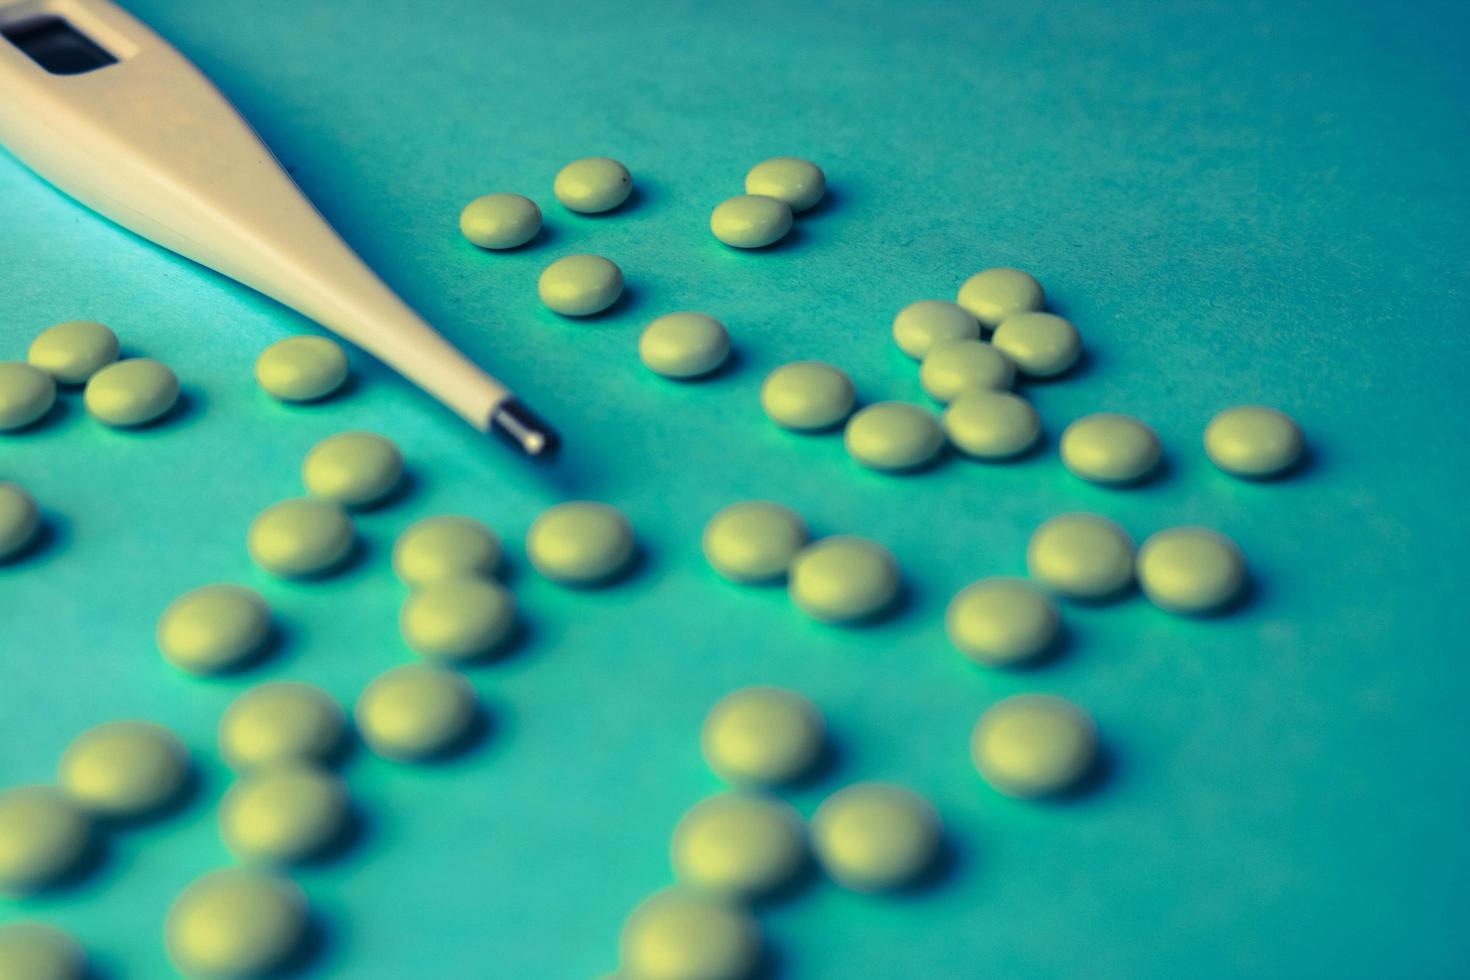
pixel 955 366
pixel 20 519
pixel 799 183
pixel 446 547
pixel 1110 449
pixel 762 736
pixel 500 221
pixel 991 425
pixel 26 394
pixel 893 436
pixel 301 369
pixel 1034 745
pixel 301 538
pixel 124 769
pixel 283 814
pixel 131 393
pixel 994 294
pixel 1081 555
pixel 844 579
pixel 1042 345
pixel 279 723
pixel 999 622
pixel 919 326
pixel 1190 569
pixel 751 221
pixel 754 541
pixel 739 845
pixel 1254 441
pixel 580 285
pixel 684 345
pixel 580 543
pixel 457 619
pixel 416 712
pixel 681 934
pixel 43 837
pixel 235 923
pixel 36 951
pixel 73 351
pixel 875 836
pixel 807 396
pixel 355 469
pixel 214 628
pixel 593 185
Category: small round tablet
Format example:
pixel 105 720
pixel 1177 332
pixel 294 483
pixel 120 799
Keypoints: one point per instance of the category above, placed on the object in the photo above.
pixel 355 469
pixel 682 934
pixel 1081 555
pixel 36 951
pixel 1254 441
pixel 999 622
pixel 991 424
pixel 750 221
pixel 235 923
pixel 580 543
pixel 73 351
pixel 799 183
pixel 124 769
pixel 580 285
pixel 500 221
pixel 1034 745
pixel 20 519
pixel 283 814
pixel 875 836
pixel 684 345
pixel 131 393
pixel 844 579
pixel 593 185
pixel 919 326
pixel 762 736
pixel 1042 345
pixel 302 537
pixel 457 619
pixel 445 547
pixel 26 394
pixel 739 845
pixel 807 396
pixel 994 294
pixel 416 712
pixel 954 366
pixel 1190 569
pixel 754 541
pixel 43 837
pixel 278 723
pixel 301 369
pixel 214 628
pixel 1112 449
pixel 893 436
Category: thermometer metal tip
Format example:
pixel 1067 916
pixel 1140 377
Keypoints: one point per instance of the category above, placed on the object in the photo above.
pixel 521 427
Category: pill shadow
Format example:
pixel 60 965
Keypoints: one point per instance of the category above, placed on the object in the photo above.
pixel 771 964
pixel 89 866
pixel 830 757
pixel 1060 648
pixel 312 950
pixel 51 535
pixel 475 735
pixel 356 830
pixel 637 200
pixel 61 407
pixel 408 484
pixel 1100 776
pixel 947 864
pixel 789 242
pixel 832 199
pixel 1084 366
pixel 804 878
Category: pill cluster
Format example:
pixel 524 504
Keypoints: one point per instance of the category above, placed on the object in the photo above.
pixel 122 394
pixel 775 191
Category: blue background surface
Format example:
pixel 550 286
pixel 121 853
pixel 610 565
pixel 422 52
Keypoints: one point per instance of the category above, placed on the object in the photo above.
pixel 1235 202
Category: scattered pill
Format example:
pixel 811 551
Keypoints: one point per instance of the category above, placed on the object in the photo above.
pixel 580 543
pixel 991 425
pixel 995 294
pixel 1107 448
pixel 279 723
pixel 355 469
pixel 751 221
pixel 43 837
pixel 1254 441
pixel 807 396
pixel 500 221
pixel 283 814
pixel 131 393
pixel 457 619
pixel 73 351
pixel 301 369
pixel 762 736
pixel 739 845
pixel 1034 745
pixel 893 436
pixel 999 622
pixel 580 285
pixel 124 769
pixel 798 183
pixel 26 394
pixel 919 326
pixel 844 579
pixel 1190 569
pixel 446 547
pixel 593 185
pixel 875 837
pixel 1042 345
pixel 302 537
pixel 416 712
pixel 684 345
pixel 954 366
pixel 20 519
pixel 36 951
pixel 754 541
pixel 236 923
pixel 681 934
pixel 1081 555
pixel 214 628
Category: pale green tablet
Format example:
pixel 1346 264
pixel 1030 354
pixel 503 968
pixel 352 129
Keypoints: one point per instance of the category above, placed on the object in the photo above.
pixel 684 345
pixel 754 541
pixel 799 183
pixel 26 394
pixel 73 351
pixel 131 393
pixel 994 294
pixel 893 436
pixel 844 579
pixel 580 285
pixel 302 537
pixel 873 837
pixel 283 814
pixel 1034 745
pixel 302 369
pixel 991 425
pixel 1081 555
pixel 1041 345
pixel 999 622
pixel 1190 569
pixel 580 543
pixel 124 769
pixel 236 923
pixel 919 326
pixel 214 628
pixel 355 469
pixel 1113 449
pixel 279 723
pixel 739 845
pixel 751 221
pixel 500 221
pixel 43 837
pixel 457 619
pixel 416 712
pixel 762 736
pixel 20 519
pixel 1254 441
pixel 807 396
pixel 36 951
pixel 954 366
pixel 682 934
pixel 593 185
pixel 446 547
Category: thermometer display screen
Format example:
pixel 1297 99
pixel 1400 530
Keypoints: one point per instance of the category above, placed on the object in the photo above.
pixel 56 46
